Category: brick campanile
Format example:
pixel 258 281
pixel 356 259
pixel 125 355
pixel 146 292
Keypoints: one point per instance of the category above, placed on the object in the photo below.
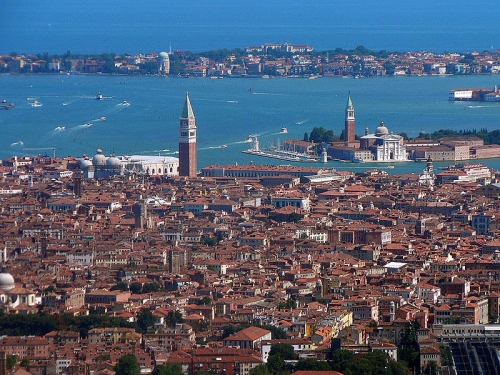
pixel 187 141
pixel 350 122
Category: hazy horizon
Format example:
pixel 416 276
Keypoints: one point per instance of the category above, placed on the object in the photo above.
pixel 199 25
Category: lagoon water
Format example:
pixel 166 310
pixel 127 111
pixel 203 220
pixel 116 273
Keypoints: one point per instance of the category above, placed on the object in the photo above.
pixel 126 26
pixel 227 112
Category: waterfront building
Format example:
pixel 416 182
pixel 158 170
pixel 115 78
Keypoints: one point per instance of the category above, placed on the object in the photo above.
pixel 187 141
pixel 384 146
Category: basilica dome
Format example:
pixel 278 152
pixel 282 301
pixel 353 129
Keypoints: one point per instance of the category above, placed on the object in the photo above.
pixel 381 130
pixel 85 163
pixel 163 55
pixel 113 161
pixel 99 158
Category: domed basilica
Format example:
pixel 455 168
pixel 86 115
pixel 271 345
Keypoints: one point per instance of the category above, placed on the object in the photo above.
pixel 384 146
pixel 101 166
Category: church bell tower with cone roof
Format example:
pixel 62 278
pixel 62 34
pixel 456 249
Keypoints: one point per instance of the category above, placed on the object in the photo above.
pixel 187 141
pixel 350 123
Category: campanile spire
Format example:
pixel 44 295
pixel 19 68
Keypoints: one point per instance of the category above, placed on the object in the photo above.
pixel 350 122
pixel 187 141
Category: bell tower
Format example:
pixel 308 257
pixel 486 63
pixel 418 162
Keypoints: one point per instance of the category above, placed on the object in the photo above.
pixel 350 123
pixel 187 141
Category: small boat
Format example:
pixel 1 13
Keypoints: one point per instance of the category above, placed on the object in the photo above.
pixel 99 96
pixel 60 128
pixel 283 130
pixel 87 125
pixel 102 118
pixel 223 146
pixel 249 139
pixel 125 103
pixel 357 160
pixel 29 98
pixel 36 103
pixel 6 105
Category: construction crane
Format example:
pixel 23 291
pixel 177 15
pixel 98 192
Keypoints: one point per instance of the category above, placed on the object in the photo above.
pixel 41 149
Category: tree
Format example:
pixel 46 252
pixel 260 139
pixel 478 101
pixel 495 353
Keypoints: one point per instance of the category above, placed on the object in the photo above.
pixel 25 362
pixel 285 351
pixel 136 288
pixel 122 285
pixel 259 370
pixel 128 365
pixel 276 364
pixel 11 361
pixel 312 364
pixel 150 287
pixel 306 137
pixel 204 301
pixel 174 317
pixel 145 319
pixel 168 369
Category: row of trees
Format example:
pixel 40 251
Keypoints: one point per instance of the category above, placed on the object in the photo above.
pixel 489 138
pixel 320 135
pixel 344 361
pixel 42 323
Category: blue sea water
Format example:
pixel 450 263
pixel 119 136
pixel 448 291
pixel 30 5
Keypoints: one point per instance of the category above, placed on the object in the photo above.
pixel 129 26
pixel 227 112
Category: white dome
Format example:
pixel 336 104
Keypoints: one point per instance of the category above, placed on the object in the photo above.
pixel 381 130
pixel 85 163
pixel 6 281
pixel 113 161
pixel 99 158
pixel 163 55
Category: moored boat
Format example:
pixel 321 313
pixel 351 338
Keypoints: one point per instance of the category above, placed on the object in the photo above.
pixel 4 104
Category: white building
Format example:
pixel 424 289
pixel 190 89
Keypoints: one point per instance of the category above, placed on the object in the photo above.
pixel 384 146
pixel 101 166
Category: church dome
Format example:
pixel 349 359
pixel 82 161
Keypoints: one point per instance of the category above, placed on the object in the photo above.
pixel 113 161
pixel 6 281
pixel 85 163
pixel 99 158
pixel 381 130
pixel 163 55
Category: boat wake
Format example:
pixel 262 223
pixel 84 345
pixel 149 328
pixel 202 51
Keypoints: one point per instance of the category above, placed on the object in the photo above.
pixel 17 144
pixel 301 122
pixel 59 128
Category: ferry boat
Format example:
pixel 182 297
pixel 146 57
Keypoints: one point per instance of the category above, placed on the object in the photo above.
pixel 6 105
pixel 283 130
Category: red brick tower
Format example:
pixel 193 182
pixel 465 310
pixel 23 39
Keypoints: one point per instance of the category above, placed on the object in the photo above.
pixel 187 141
pixel 350 123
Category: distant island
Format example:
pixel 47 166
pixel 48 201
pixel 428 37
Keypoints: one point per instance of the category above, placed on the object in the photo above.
pixel 267 60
